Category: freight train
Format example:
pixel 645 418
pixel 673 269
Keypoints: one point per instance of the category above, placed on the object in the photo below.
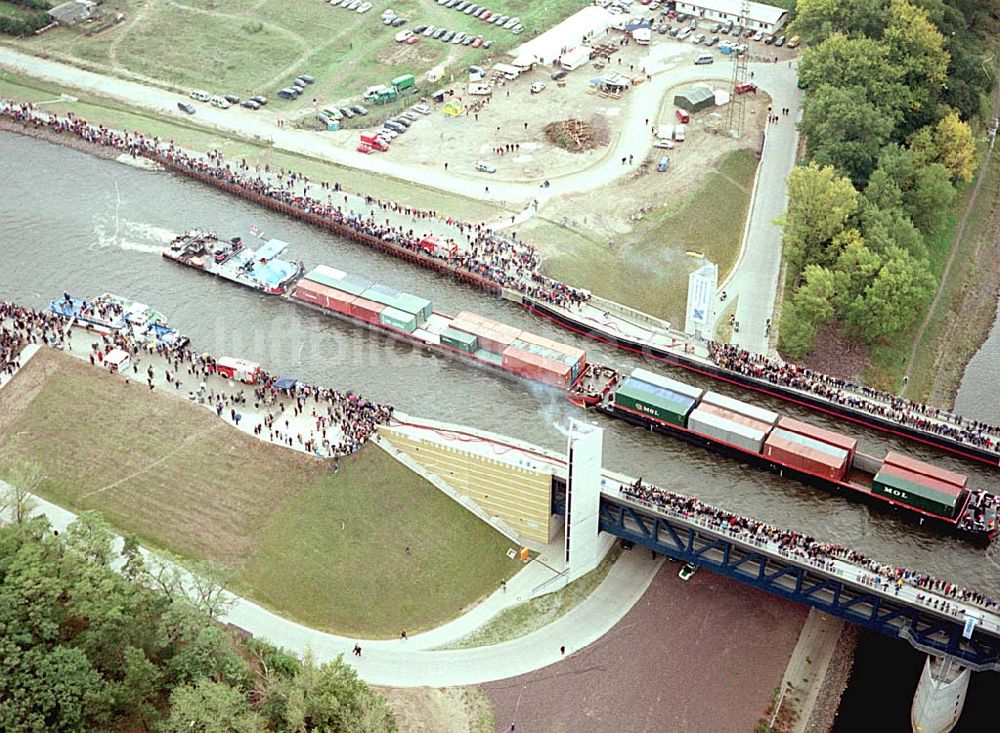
pixel 926 494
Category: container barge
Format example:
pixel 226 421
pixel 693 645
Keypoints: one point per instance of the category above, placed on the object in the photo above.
pixel 922 492
pixel 109 313
pixel 730 427
pixel 262 269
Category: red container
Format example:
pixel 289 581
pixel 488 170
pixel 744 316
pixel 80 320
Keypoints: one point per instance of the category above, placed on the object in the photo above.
pixel 917 478
pixel 309 292
pixel 339 301
pixel 493 335
pixel 366 310
pixel 926 469
pixel 537 367
pixel 824 436
pixel 804 458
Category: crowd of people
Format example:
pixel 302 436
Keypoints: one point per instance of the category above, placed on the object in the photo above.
pixel 319 420
pixel 503 260
pixel 819 554
pixel 842 392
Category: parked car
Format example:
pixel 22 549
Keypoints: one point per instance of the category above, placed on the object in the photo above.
pixel 663 164
pixel 664 144
pixel 448 35
pixel 403 36
pixel 358 109
pixel 289 93
pixel 768 40
pixel 779 41
pixel 485 167
pixel 394 126
pixel 422 109
pixel 759 35
pixel 199 95
pixel 363 148
pixel 439 33
pixel 698 38
pixel 664 29
pixel 712 41
pixel 421 28
pixel 250 104
pixel 683 34
pixel 220 102
pixel 411 116
pixel 687 571
pixel 259 99
pixel 477 42
pixel 232 98
pixel 487 44
pixel 557 75
pixel 364 7
pixel 537 87
pixel 793 42
pixel 186 107
pixel 745 88
pixel 397 22
pixel 429 31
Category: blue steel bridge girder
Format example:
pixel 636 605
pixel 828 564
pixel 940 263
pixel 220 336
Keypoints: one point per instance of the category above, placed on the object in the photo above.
pixel 802 584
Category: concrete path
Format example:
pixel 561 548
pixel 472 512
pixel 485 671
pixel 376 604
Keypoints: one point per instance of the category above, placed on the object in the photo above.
pixel 808 665
pixel 755 278
pixel 412 662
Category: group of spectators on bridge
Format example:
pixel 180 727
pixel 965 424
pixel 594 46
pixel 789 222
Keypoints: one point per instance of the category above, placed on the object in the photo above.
pixel 502 260
pixel 338 423
pixel 842 392
pixel 802 546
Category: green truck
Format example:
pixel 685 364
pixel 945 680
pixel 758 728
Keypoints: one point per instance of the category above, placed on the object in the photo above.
pixel 382 94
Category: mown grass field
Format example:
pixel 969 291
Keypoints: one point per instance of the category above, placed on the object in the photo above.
pixel 251 47
pixel 647 269
pixel 367 552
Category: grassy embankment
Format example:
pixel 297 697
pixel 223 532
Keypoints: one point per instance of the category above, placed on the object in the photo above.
pixel 366 552
pixel 966 305
pixel 646 269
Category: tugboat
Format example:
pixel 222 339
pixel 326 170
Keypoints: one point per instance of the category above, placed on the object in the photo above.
pixel 109 313
pixel 261 270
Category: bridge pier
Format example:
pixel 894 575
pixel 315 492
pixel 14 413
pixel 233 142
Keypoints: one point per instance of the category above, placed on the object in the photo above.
pixel 940 695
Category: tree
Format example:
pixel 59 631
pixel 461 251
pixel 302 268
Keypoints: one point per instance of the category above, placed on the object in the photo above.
pixel 91 537
pixel 17 491
pixel 819 205
pixel 136 695
pixel 955 146
pixel 888 227
pixel 844 129
pixel 916 48
pixel 210 707
pixel 812 307
pixel 857 267
pixel 134 567
pixel 893 298
pixel 858 62
pixel 819 19
pixel 208 588
pixel 930 197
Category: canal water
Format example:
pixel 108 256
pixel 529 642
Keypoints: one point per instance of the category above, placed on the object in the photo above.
pixel 977 394
pixel 75 223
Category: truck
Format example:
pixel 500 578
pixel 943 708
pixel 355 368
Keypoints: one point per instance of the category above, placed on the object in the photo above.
pixel 382 94
pixel 372 140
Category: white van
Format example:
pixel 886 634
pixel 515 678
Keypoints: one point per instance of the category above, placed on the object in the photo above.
pixel 219 102
pixel 199 95
pixel 705 58
pixel 679 133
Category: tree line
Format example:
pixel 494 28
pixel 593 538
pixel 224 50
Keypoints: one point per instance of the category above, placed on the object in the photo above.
pixel 86 648
pixel 891 88
pixel 26 23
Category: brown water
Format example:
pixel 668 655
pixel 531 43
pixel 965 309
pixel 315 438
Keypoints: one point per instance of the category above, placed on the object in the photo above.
pixel 75 223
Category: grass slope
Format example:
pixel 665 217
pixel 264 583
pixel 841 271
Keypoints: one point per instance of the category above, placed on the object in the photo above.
pixel 370 551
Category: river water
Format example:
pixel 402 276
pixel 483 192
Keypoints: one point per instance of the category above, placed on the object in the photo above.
pixel 977 394
pixel 72 222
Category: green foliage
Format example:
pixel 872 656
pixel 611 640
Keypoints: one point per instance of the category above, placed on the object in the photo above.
pixel 82 648
pixel 819 19
pixel 819 204
pixel 23 25
pixel 252 27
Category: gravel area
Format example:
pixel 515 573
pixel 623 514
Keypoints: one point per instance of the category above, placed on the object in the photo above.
pixel 838 674
pixel 688 658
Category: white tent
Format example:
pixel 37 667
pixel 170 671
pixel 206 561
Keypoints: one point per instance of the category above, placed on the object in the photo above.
pixel 572 32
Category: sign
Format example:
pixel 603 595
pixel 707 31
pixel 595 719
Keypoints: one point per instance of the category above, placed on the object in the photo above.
pixel 970 626
pixel 702 284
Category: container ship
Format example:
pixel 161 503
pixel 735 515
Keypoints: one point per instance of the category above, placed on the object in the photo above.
pixel 924 493
pixel 262 269
pixel 109 313
pixel 919 491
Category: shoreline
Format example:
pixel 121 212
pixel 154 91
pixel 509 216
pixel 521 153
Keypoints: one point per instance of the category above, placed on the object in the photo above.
pixel 47 135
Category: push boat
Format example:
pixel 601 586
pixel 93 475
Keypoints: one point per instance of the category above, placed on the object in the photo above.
pixel 921 492
pixel 109 313
pixel 794 449
pixel 262 269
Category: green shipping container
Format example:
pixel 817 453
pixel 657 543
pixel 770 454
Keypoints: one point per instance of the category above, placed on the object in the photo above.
pixel 667 407
pixel 398 319
pixel 915 495
pixel 420 307
pixel 460 340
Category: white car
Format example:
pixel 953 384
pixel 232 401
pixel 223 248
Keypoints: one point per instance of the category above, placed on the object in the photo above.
pixel 354 5
pixel 698 38
pixel 364 7
pixel 422 109
pixel 537 87
pixel 664 144
pixel 404 36
pixel 485 167
pixel 429 31
pixel 687 571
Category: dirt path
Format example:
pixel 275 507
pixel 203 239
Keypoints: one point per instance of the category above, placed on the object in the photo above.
pixel 959 233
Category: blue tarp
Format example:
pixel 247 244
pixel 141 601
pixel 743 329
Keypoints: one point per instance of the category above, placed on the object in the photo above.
pixel 285 382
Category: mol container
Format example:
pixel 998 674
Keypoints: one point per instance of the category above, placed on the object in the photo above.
pixel 648 399
pixel 824 436
pixel 400 320
pixel 673 385
pixel 459 340
pixel 917 491
pixel 740 408
pixel 926 469
pixel 729 427
pixel 538 368
pixel 806 454
pixel 366 310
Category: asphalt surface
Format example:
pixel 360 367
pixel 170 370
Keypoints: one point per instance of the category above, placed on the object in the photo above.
pixel 688 658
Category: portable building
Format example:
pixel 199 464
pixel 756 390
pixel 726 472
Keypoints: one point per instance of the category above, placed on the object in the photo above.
pixel 575 57
pixel 695 99
pixel 741 408
pixel 663 404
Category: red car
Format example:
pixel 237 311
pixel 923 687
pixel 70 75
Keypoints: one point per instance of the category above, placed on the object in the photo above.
pixel 366 149
pixel 746 88
pixel 683 116
pixel 413 39
pixel 478 42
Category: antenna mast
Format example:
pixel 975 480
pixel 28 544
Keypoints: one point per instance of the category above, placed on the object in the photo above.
pixel 737 117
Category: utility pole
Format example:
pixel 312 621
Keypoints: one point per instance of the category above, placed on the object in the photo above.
pixel 737 117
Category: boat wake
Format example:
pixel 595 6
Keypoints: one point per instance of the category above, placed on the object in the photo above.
pixel 130 236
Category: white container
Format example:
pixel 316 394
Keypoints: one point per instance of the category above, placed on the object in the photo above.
pixel 714 426
pixel 667 383
pixel 740 408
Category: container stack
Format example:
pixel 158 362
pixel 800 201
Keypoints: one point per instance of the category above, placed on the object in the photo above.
pixel 658 380
pixel 662 403
pixel 729 427
pixel 460 340
pixel 920 485
pixel 824 436
pixel 493 336
pixel 806 453
pixel 758 414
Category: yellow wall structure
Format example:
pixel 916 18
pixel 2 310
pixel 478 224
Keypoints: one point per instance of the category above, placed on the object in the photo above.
pixel 520 497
